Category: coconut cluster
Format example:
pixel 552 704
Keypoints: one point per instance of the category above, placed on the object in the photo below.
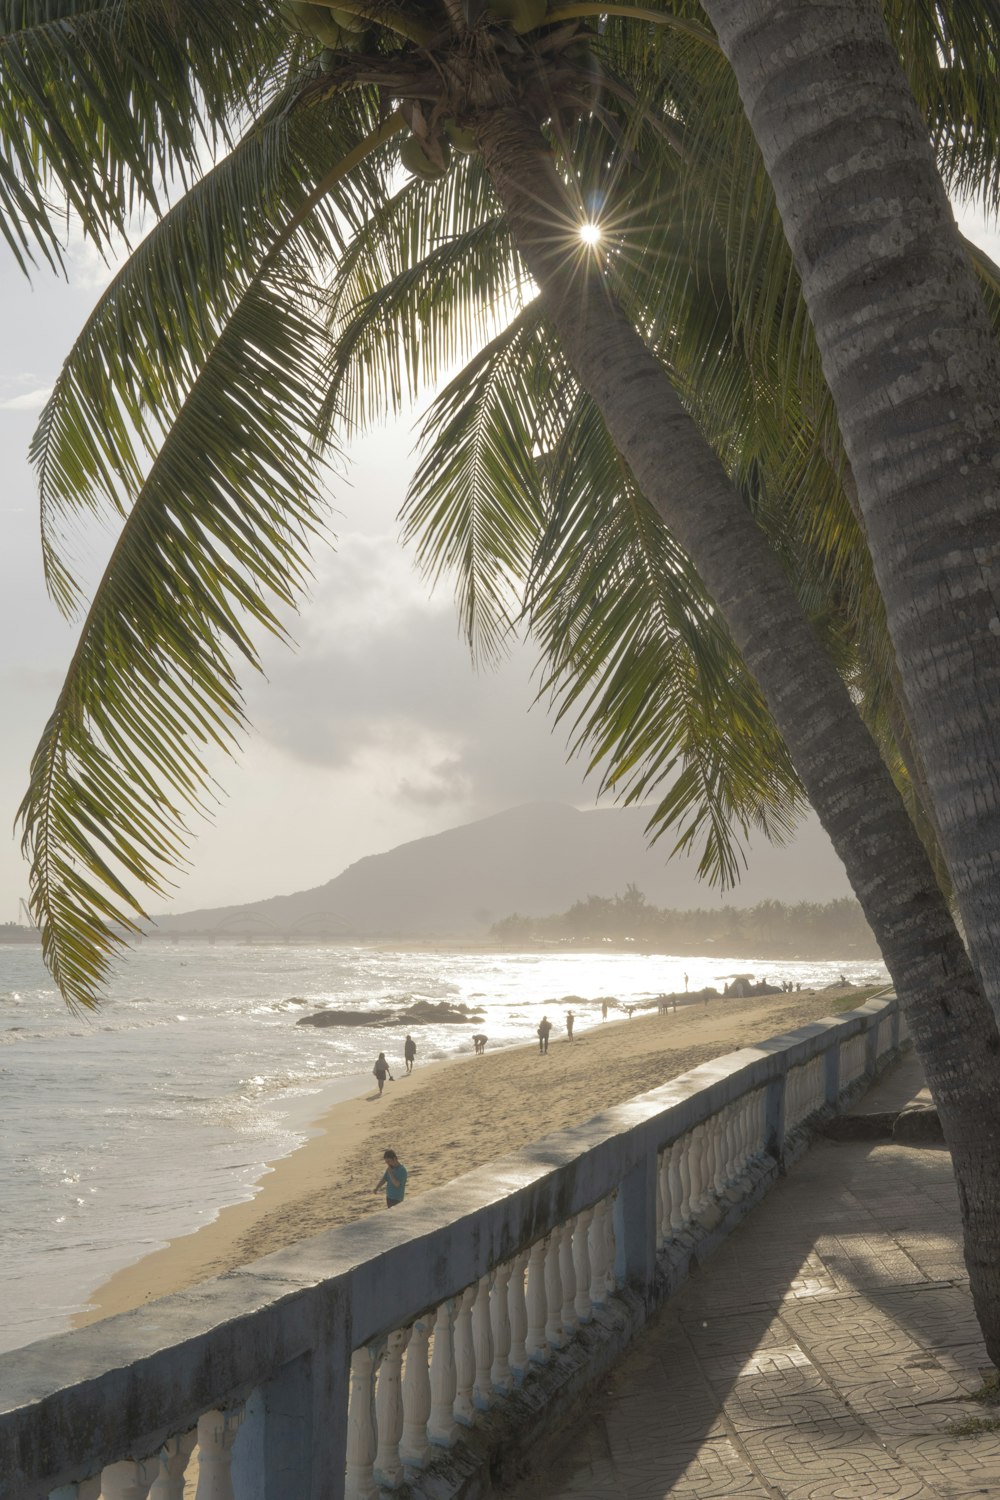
pixel 428 150
pixel 337 30
pixel 429 156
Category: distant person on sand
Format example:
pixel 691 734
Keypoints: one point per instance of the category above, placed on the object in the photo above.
pixel 544 1027
pixel 393 1179
pixel 604 1010
pixel 685 986
pixel 570 1018
pixel 381 1071
pixel 409 1052
pixel 628 1011
pixel 479 1042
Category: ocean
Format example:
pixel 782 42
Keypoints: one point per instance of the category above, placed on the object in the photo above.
pixel 128 1127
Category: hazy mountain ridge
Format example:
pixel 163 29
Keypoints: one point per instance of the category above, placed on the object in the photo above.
pixel 535 859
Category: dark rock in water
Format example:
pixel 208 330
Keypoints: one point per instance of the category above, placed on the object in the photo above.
pixel 420 1013
pixel 743 987
pixel 342 1018
pixel 425 1011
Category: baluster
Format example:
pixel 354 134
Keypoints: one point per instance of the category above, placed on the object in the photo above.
pixel 760 1104
pixel 675 1196
pixel 441 1427
pixel 742 1137
pixel 567 1275
pixel 414 1448
pixel 535 1344
pixel 712 1125
pixel 659 1204
pixel 389 1411
pixel 663 1198
pixel 500 1373
pixel 746 1130
pixel 731 1146
pixel 694 1162
pixel 216 1434
pixel 126 1480
pixel 173 1462
pixel 581 1266
pixel 704 1166
pixel 465 1357
pixel 748 1112
pixel 362 1438
pixel 597 1244
pixel 518 1310
pixel 482 1344
pixel 711 1156
pixel 610 1246
pixel 554 1336
pixel 685 1173
pixel 721 1151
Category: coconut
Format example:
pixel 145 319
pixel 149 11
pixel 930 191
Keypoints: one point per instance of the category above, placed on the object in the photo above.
pixel 461 138
pixel 415 159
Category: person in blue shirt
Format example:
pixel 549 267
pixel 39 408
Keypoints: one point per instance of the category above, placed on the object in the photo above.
pixel 393 1179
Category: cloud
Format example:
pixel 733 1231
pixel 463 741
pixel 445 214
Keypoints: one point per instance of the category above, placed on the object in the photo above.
pixel 381 690
pixel 29 401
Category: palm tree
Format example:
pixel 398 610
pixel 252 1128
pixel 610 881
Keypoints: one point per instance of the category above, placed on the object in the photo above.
pixel 193 398
pixel 910 355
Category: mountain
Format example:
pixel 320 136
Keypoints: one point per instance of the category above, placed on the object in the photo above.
pixel 536 860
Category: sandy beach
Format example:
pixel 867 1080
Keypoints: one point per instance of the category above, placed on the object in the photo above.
pixel 449 1117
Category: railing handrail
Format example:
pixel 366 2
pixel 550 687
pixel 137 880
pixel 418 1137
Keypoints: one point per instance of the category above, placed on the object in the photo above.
pixel 151 1372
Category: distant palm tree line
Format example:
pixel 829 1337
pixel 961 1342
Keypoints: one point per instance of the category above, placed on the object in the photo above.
pixel 771 929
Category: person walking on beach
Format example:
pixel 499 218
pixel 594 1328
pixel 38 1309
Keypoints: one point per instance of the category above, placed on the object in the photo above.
pixel 685 985
pixel 544 1027
pixel 570 1018
pixel 409 1052
pixel 393 1179
pixel 381 1071
pixel 604 1010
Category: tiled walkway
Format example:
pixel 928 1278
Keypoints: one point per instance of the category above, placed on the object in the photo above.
pixel 826 1352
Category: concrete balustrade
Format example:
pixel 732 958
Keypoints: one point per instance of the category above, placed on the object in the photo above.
pixel 354 1362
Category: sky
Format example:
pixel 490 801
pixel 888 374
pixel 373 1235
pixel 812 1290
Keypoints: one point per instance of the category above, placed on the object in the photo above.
pixel 375 730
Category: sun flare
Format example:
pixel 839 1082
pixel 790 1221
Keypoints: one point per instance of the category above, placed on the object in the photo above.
pixel 590 234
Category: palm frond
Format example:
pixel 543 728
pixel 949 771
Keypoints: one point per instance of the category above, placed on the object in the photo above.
pixel 101 103
pixel 216 539
pixel 131 367
pixel 473 506
pixel 424 284
pixel 642 665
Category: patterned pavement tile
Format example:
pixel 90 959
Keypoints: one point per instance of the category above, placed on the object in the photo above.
pixel 826 1450
pixel 783 1399
pixel 948 1461
pixel 885 1485
pixel 847 1355
pixel 723 1369
pixel 936 1419
pixel 715 1469
pixel 826 1352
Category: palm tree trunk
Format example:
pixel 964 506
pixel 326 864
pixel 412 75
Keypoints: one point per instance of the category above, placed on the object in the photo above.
pixel 914 367
pixel 953 1028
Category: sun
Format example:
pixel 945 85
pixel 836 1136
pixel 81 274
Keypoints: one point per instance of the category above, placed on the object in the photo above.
pixel 590 234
